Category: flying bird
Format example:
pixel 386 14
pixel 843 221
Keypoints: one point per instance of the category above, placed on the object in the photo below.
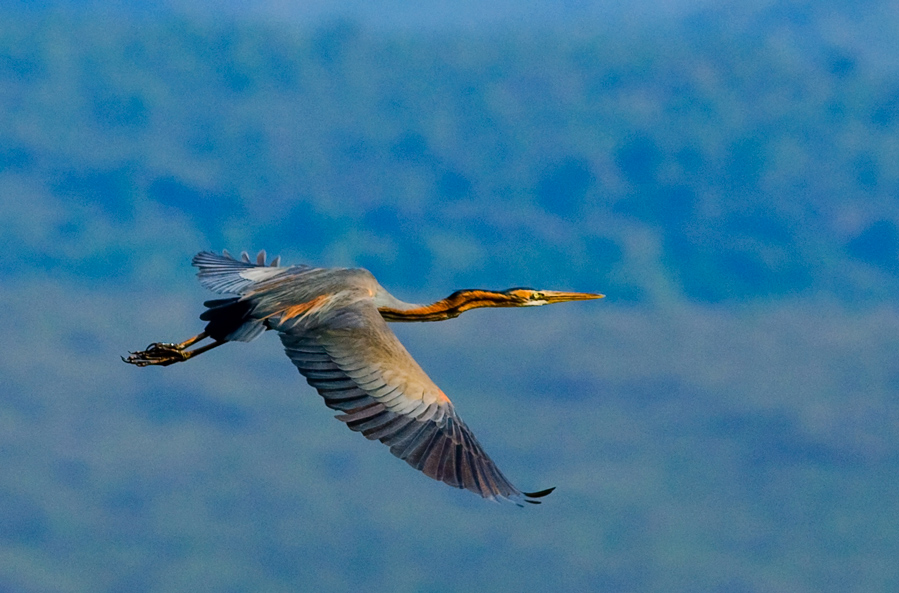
pixel 333 325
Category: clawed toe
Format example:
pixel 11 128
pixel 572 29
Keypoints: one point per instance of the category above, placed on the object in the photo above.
pixel 162 346
pixel 156 354
pixel 166 353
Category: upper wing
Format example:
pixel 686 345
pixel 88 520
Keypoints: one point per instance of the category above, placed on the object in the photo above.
pixel 360 367
pixel 223 273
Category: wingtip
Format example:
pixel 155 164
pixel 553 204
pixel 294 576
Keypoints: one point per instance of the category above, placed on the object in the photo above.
pixel 538 494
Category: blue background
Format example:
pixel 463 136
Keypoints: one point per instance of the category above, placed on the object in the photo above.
pixel 726 420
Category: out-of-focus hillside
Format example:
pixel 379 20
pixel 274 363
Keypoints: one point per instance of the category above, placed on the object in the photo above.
pixel 724 421
pixel 681 162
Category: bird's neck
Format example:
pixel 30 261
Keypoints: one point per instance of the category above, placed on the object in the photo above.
pixel 452 306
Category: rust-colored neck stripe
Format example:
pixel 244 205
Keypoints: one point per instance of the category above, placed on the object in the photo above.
pixel 452 306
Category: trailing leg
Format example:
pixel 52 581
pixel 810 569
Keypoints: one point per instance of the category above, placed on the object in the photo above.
pixel 164 354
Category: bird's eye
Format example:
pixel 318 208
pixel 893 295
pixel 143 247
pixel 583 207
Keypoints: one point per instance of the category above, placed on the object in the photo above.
pixel 536 296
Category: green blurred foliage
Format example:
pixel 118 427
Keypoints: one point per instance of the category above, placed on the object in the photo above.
pixel 465 159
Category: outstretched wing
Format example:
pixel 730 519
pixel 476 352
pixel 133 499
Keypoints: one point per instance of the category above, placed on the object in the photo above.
pixel 360 368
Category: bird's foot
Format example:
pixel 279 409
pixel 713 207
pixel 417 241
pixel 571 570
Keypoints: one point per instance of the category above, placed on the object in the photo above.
pixel 158 353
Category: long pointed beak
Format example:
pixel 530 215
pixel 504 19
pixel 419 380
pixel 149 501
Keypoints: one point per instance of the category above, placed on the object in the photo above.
pixel 555 296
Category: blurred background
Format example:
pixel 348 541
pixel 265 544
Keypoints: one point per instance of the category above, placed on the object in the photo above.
pixel 726 420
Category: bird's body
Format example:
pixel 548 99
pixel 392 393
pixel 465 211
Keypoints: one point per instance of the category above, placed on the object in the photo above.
pixel 332 322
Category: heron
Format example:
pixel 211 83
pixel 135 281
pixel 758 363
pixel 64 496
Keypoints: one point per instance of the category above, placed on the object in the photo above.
pixel 333 325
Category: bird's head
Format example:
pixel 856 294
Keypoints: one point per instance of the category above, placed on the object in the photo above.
pixel 529 297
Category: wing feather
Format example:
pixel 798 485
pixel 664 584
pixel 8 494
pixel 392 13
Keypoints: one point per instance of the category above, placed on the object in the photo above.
pixel 430 456
pixel 224 274
pixel 402 437
pixel 389 428
pixel 359 367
